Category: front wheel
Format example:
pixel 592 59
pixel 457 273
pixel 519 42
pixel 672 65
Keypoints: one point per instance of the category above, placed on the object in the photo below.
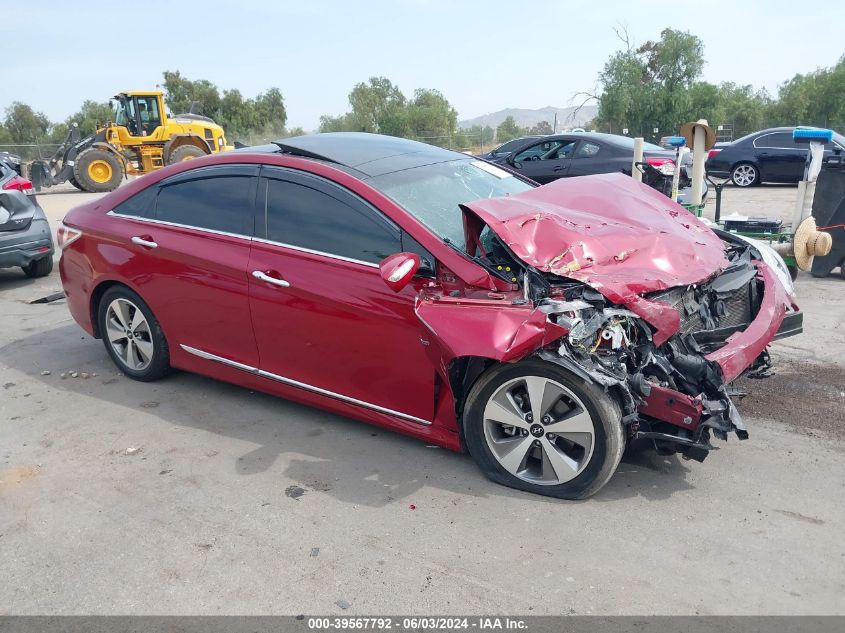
pixel 132 335
pixel 536 427
pixel 745 175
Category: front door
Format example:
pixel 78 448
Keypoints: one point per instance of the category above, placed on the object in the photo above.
pixel 324 319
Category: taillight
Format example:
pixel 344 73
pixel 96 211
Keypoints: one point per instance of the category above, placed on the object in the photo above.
pixel 665 166
pixel 713 152
pixel 20 183
pixel 67 235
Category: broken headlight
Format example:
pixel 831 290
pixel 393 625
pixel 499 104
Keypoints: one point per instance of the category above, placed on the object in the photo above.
pixel 773 260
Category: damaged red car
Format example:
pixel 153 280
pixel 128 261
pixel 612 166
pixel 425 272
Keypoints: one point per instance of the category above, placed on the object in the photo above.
pixel 540 328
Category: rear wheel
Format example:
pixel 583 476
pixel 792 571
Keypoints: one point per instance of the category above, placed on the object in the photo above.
pixel 73 181
pixel 745 175
pixel 185 152
pixel 132 335
pixel 97 170
pixel 39 267
pixel 536 427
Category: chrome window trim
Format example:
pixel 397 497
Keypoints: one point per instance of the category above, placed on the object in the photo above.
pixel 302 249
pixel 242 237
pixel 178 226
pixel 301 385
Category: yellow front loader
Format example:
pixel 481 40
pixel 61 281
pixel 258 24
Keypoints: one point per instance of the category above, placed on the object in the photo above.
pixel 140 138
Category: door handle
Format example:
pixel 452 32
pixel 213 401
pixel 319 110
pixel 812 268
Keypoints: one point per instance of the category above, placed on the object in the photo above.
pixel 144 242
pixel 558 168
pixel 270 280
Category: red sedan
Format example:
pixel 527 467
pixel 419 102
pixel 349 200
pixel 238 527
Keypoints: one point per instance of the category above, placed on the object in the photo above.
pixel 425 291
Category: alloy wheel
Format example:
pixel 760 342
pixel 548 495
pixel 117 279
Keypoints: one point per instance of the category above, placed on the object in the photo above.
pixel 129 334
pixel 744 175
pixel 538 430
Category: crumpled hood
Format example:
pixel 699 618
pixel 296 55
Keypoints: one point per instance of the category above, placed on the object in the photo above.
pixel 614 234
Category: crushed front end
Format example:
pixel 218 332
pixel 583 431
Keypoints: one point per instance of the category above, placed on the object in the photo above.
pixel 640 297
pixel 676 393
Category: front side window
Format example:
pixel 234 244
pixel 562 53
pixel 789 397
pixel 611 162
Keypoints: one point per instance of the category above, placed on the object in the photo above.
pixel 218 203
pixel 550 150
pixel 329 223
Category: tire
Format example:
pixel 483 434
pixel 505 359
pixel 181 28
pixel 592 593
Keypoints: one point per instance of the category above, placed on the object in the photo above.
pixel 793 272
pixel 185 152
pixel 137 346
pixel 97 170
pixel 842 270
pixel 39 267
pixel 73 181
pixel 745 175
pixel 586 462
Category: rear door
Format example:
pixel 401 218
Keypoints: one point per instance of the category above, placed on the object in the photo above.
pixel 324 319
pixel 591 157
pixel 546 161
pixel 184 244
pixel 780 159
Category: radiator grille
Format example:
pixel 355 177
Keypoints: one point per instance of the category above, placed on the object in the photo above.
pixel 737 306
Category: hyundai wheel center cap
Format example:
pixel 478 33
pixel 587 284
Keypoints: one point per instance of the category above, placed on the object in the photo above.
pixel 537 430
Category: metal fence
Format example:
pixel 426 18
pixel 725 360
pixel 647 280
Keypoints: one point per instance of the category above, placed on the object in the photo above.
pixel 31 151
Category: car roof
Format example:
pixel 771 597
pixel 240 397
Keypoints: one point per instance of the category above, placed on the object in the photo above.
pixel 368 154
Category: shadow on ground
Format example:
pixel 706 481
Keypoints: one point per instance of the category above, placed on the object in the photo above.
pixel 352 461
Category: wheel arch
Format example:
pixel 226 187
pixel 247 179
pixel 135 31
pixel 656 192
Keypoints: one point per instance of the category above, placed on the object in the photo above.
pixel 97 293
pixel 180 140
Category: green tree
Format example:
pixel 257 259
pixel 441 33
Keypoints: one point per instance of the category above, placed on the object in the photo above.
pixel 431 117
pixel 649 86
pixel 25 125
pixel 89 116
pixel 543 127
pixel 508 129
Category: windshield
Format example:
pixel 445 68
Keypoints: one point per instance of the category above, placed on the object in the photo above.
pixel 432 193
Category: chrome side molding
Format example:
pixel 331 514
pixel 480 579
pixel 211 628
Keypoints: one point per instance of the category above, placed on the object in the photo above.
pixel 301 385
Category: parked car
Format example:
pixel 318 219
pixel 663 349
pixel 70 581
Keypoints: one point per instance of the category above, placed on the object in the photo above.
pixel 437 295
pixel 25 236
pixel 506 148
pixel 11 160
pixel 765 156
pixel 583 153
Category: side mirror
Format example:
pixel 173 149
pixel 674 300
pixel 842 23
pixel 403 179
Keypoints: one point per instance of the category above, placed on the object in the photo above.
pixel 398 270
pixel 511 160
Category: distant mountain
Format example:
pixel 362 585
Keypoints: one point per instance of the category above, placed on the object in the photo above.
pixel 566 117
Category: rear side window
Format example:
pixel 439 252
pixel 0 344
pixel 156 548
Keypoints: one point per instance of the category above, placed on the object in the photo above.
pixel 587 150
pixel 218 203
pixel 330 223
pixel 141 205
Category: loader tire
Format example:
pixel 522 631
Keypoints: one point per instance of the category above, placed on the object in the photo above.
pixel 73 181
pixel 97 170
pixel 185 152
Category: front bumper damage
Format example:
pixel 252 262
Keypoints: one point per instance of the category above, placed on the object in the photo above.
pixel 671 381
pixel 678 396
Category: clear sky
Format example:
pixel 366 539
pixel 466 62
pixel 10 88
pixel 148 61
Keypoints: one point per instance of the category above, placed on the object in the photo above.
pixel 483 56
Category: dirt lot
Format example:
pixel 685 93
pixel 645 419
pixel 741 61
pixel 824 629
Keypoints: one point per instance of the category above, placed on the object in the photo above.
pixel 193 496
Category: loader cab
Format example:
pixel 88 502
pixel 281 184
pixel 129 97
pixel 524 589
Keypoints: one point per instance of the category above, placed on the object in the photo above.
pixel 140 114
